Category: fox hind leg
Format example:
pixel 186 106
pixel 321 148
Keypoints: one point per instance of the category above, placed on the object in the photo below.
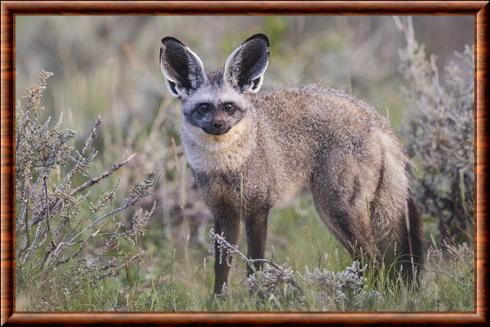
pixel 341 192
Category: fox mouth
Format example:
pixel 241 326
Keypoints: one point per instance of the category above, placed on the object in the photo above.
pixel 215 131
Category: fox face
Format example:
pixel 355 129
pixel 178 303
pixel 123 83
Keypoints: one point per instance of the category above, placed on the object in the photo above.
pixel 214 115
pixel 214 102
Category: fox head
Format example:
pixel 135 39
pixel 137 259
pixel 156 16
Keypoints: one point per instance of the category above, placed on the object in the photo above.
pixel 214 102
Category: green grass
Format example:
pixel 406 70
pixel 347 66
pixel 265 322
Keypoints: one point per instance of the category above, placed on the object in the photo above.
pixel 171 277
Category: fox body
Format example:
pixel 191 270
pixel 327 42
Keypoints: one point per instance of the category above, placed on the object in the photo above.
pixel 251 150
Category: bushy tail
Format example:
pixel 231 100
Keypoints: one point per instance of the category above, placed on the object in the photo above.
pixel 412 243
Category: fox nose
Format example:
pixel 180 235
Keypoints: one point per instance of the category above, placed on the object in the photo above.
pixel 218 124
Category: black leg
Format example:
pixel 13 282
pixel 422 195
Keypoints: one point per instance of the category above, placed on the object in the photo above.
pixel 230 227
pixel 256 229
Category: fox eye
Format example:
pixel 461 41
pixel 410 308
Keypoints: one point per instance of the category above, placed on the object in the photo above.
pixel 202 109
pixel 229 108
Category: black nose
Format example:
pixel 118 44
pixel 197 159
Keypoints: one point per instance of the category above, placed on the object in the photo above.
pixel 218 124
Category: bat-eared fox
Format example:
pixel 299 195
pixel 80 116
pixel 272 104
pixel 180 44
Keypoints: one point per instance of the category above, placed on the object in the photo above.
pixel 250 150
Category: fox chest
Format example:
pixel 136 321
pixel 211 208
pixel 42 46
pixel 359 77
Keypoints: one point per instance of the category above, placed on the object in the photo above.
pixel 232 189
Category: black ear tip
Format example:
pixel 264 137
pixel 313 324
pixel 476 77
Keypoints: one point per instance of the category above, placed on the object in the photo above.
pixel 171 39
pixel 259 36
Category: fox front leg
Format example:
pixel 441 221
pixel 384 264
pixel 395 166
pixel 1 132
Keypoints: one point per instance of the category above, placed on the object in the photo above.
pixel 226 224
pixel 256 230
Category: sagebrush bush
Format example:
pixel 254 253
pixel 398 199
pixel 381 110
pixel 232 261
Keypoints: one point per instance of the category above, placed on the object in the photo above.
pixel 439 134
pixel 447 284
pixel 279 287
pixel 63 239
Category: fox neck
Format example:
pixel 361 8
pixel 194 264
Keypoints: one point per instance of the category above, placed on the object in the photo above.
pixel 220 153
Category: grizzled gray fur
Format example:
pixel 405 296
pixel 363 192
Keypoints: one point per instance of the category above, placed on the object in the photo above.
pixel 251 150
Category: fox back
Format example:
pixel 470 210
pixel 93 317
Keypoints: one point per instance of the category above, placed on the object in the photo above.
pixel 251 150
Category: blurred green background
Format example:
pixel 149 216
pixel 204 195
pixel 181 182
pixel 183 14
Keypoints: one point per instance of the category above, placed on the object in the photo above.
pixel 109 65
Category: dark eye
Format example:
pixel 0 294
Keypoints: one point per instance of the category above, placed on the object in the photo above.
pixel 202 109
pixel 229 108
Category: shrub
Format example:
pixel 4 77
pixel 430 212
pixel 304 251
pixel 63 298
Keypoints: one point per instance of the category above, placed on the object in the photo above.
pixel 63 239
pixel 275 285
pixel 338 291
pixel 439 134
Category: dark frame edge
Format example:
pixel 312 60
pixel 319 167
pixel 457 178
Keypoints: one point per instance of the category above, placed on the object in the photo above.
pixel 7 162
pixel 293 318
pixel 481 89
pixel 362 7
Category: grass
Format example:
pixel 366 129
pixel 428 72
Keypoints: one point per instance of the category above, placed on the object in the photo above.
pixel 172 278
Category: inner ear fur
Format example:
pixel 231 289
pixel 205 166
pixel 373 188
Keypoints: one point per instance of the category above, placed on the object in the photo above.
pixel 181 67
pixel 245 67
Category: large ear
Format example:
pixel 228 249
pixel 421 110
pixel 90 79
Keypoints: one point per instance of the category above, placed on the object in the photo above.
pixel 181 67
pixel 245 67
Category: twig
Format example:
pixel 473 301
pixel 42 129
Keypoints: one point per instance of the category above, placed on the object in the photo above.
pixel 25 253
pixel 48 225
pixel 130 202
pixel 105 174
pixel 230 247
pixel 84 186
pixel 409 237
pixel 233 249
pixel 92 135
pixel 26 207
